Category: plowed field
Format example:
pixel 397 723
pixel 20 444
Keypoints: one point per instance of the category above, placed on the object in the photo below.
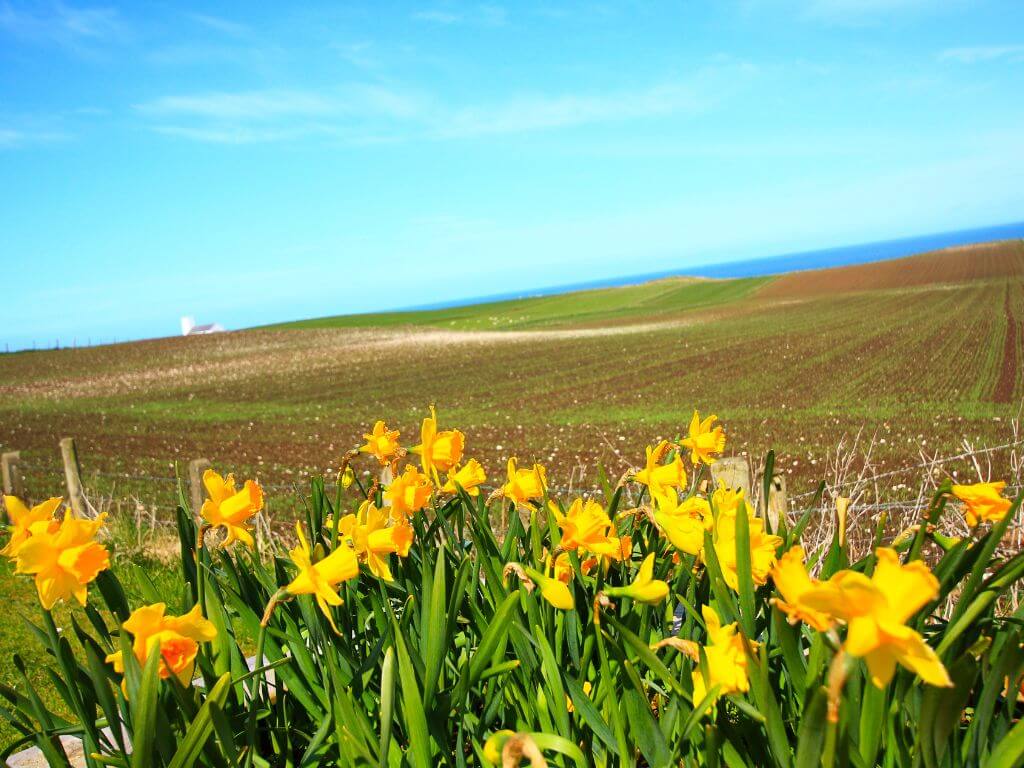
pixel 920 352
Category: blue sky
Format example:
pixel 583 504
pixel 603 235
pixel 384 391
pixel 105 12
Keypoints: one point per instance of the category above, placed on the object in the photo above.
pixel 248 166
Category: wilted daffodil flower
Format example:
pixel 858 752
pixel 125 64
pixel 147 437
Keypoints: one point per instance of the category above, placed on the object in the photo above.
pixel 438 451
pixel 469 476
pixel 409 492
pixel 382 443
pixel 321 578
pixel 64 559
pixel 876 610
pixel 704 440
pixel 494 745
pixel 509 748
pixel 373 539
pixel 524 485
pixel 23 518
pixel 230 508
pixel 983 502
pixel 683 524
pixel 660 478
pixel 586 527
pixel 178 636
pixel 645 587
pixel 793 583
pixel 552 589
pixel 726 658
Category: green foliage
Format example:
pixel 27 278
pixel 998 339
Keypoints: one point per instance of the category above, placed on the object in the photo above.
pixel 645 301
pixel 430 669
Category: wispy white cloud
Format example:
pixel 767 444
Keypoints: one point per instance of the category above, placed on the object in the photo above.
pixel 848 7
pixel 365 112
pixel 359 54
pixel 481 15
pixel 356 113
pixel 60 24
pixel 533 113
pixel 244 105
pixel 847 12
pixel 973 54
pixel 19 138
pixel 234 134
pixel 439 17
pixel 218 24
pixel 363 99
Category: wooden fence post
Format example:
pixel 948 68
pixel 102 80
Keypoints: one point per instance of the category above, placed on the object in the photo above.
pixel 14 484
pixel 73 477
pixel 196 468
pixel 734 472
pixel 778 506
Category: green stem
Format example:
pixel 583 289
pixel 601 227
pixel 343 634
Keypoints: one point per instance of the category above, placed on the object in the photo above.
pixel 201 570
pixel 257 694
pixel 828 755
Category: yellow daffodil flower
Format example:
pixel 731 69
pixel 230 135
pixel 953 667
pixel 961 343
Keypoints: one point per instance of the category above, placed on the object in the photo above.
pixel 793 583
pixel 586 527
pixel 704 440
pixel 561 566
pixel 660 478
pixel 586 566
pixel 625 547
pixel 876 610
pixel 178 636
pixel 230 508
pixel 983 502
pixel 525 485
pixel 683 524
pixel 23 518
pixel 726 658
pixel 762 549
pixel 438 451
pixel 409 492
pixel 727 503
pixel 64 560
pixel 470 477
pixel 373 539
pixel 382 443
pixel 645 587
pixel 321 578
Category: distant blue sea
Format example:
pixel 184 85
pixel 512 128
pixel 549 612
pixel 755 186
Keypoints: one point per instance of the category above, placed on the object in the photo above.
pixel 773 265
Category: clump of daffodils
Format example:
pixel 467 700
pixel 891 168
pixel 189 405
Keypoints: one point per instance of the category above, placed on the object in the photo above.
pixel 681 626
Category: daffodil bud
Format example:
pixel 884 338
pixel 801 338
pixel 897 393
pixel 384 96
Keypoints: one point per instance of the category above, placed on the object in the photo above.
pixel 554 591
pixel 645 587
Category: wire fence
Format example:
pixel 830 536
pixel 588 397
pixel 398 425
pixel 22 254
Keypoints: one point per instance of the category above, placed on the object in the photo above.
pixel 930 464
pixel 155 495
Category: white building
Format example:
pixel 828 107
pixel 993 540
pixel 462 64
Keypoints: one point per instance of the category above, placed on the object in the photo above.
pixel 189 327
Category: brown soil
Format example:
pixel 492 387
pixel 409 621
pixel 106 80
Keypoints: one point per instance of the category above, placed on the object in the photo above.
pixel 1003 259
